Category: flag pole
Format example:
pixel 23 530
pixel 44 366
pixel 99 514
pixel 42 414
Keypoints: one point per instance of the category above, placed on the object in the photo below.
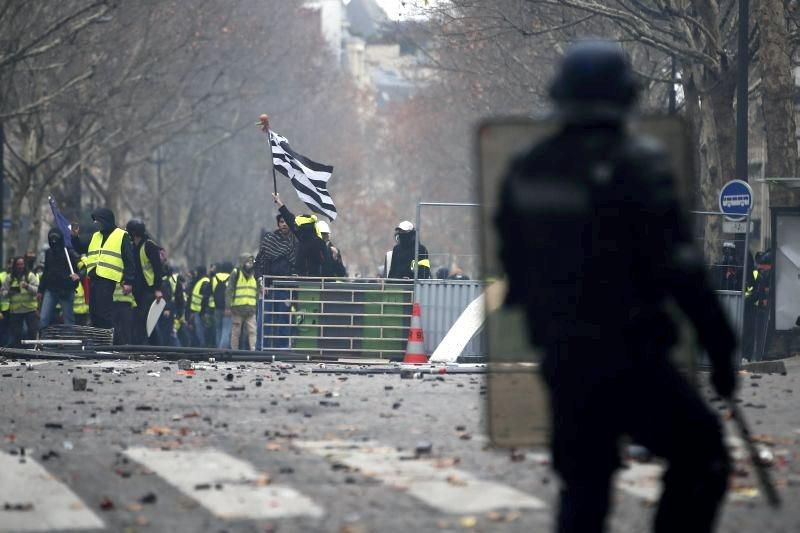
pixel 263 121
pixel 69 261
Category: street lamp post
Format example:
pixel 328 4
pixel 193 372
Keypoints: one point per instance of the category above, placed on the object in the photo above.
pixel 742 82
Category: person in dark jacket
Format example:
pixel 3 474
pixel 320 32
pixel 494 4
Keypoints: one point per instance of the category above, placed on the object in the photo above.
pixel 402 262
pixel 312 253
pixel 147 284
pixel 58 281
pixel 115 249
pixel 595 246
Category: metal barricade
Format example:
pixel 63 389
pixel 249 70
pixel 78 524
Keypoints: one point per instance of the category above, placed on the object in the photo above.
pixel 336 316
pixel 442 302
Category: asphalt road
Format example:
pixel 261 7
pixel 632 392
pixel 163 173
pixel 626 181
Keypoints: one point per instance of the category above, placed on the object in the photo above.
pixel 271 447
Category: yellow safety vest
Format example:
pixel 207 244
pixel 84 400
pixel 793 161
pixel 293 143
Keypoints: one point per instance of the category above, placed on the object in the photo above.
pixel 79 305
pixel 105 258
pixel 119 296
pixel 173 283
pixel 4 303
pixel 246 291
pixel 197 298
pixel 147 267
pixel 422 263
pixel 21 300
pixel 218 278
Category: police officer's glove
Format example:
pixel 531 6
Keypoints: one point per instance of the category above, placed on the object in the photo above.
pixel 723 378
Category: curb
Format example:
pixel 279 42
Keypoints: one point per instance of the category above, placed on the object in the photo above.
pixel 765 367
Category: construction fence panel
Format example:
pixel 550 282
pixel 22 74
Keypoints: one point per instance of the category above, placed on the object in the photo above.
pixel 335 316
pixel 441 303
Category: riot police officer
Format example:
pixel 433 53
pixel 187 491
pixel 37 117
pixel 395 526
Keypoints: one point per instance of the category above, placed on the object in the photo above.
pixel 594 244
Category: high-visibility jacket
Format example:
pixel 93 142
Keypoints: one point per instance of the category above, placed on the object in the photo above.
pixel 4 303
pixel 121 297
pixel 219 277
pixel 422 262
pixel 197 296
pixel 22 300
pixel 105 258
pixel 245 291
pixel 147 266
pixel 79 305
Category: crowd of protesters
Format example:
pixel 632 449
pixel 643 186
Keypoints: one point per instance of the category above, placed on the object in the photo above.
pixel 112 278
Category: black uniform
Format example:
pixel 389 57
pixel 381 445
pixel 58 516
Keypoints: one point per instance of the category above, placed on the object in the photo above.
pixel 593 244
pixel 403 259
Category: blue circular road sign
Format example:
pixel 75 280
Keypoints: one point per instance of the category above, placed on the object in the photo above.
pixel 736 199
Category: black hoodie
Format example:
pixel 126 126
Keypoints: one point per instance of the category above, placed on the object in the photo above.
pixel 56 273
pixel 105 219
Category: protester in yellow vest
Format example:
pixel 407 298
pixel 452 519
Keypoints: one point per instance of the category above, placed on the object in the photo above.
pixel 240 301
pixel 219 284
pixel 199 315
pixel 109 261
pixel 80 309
pixel 147 284
pixel 123 306
pixel 19 289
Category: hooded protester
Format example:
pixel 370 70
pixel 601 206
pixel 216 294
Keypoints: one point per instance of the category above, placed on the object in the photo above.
pixel 147 281
pixel 109 262
pixel 240 301
pixel 312 253
pixel 19 289
pixel 401 265
pixel 58 281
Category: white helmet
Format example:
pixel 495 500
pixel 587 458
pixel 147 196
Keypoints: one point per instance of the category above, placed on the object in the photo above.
pixel 323 227
pixel 404 227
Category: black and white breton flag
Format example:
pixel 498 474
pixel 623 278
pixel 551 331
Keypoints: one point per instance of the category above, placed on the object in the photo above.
pixel 310 179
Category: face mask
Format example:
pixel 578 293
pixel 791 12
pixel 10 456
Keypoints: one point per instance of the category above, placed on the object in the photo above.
pixel 53 242
pixel 248 266
pixel 98 226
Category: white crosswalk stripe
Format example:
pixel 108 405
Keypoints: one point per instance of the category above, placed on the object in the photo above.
pixel 33 500
pixel 437 484
pixel 228 487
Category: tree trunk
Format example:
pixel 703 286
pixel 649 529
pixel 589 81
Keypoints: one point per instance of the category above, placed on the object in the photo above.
pixel 116 175
pixel 777 88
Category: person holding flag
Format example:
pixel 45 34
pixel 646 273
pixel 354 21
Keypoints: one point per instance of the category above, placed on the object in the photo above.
pixel 59 280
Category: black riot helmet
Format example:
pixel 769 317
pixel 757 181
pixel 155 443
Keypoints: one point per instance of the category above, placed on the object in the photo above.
pixel 135 227
pixel 595 72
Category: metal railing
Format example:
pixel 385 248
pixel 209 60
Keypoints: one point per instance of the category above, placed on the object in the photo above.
pixel 335 316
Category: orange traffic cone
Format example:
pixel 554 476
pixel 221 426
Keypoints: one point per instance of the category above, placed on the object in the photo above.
pixel 415 350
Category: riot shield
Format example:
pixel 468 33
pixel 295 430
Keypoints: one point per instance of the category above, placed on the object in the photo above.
pixel 517 402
